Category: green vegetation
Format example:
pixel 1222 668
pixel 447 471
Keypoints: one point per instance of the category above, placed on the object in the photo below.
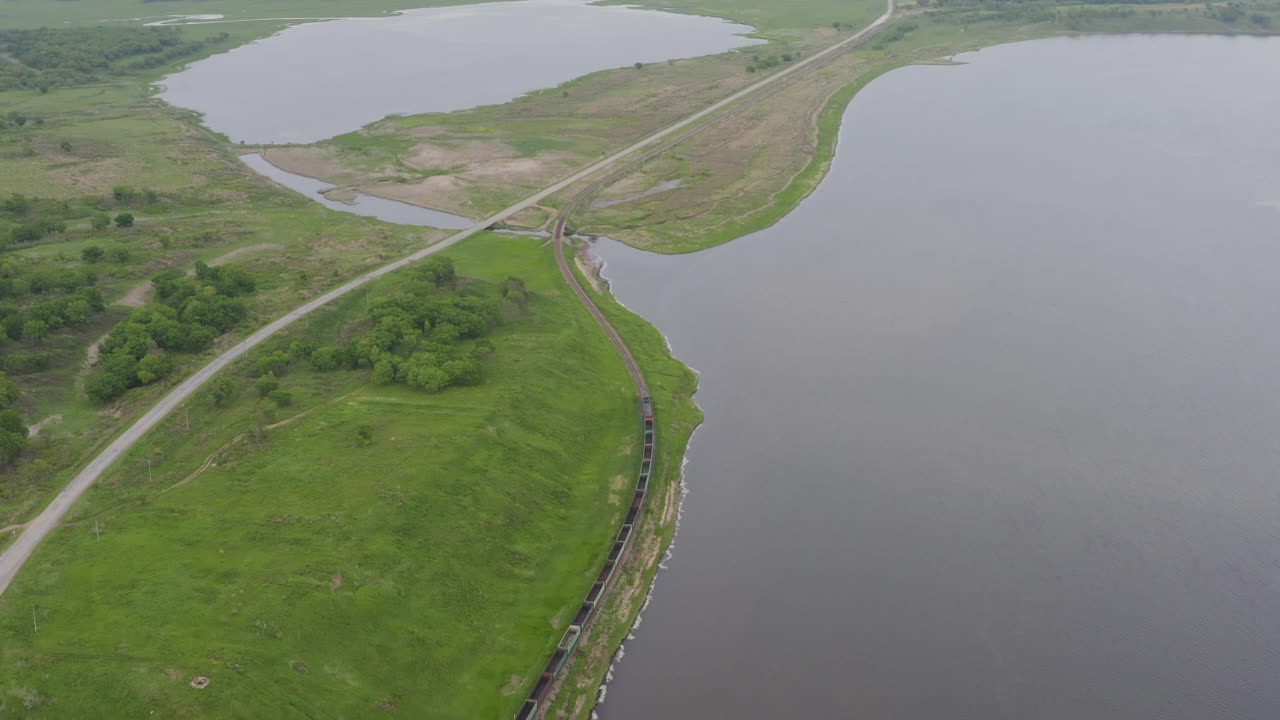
pixel 379 549
pixel 48 58
pixel 104 190
pixel 191 313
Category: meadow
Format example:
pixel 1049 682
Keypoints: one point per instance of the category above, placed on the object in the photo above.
pixel 311 571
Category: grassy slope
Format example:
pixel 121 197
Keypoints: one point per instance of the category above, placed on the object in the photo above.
pixel 463 537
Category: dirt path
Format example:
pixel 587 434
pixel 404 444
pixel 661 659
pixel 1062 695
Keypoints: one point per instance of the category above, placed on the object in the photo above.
pixel 34 430
pixel 137 295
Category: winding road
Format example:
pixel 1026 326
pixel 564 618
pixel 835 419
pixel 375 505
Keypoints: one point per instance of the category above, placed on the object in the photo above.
pixel 16 555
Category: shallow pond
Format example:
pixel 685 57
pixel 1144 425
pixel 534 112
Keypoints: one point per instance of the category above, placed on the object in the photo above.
pixel 317 80
pixel 991 419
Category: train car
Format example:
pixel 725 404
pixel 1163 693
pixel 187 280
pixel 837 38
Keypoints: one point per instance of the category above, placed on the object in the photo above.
pixel 570 640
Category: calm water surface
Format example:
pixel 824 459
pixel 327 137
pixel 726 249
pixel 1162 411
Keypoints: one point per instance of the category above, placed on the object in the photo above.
pixel 993 419
pixel 317 80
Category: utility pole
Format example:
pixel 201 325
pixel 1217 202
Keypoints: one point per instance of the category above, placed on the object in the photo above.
pixel 148 471
pixel 97 530
pixel 34 627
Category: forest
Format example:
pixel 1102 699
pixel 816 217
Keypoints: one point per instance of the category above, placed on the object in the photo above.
pixel 52 57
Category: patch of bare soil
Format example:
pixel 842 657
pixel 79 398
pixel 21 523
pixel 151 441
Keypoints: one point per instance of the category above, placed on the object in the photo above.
pixel 616 486
pixel 241 252
pixel 439 192
pixel 434 156
pixel 34 430
pixel 590 271
pixel 91 355
pixel 513 684
pixel 91 177
pixel 313 162
pixel 136 297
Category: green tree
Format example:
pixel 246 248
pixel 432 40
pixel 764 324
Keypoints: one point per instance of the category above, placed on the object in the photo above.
pixel 384 372
pixel 274 364
pixel 13 436
pixel 364 434
pixel 77 312
pixel 124 220
pixel 325 358
pixel 282 397
pixel 17 204
pixel 100 221
pixel 8 391
pixel 222 390
pixel 266 385
pixel 92 254
pixel 152 368
pixel 35 329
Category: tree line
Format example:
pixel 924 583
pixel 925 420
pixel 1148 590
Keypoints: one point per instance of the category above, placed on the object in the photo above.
pixel 50 57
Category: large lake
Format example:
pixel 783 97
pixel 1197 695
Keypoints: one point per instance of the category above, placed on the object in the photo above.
pixel 318 80
pixel 993 419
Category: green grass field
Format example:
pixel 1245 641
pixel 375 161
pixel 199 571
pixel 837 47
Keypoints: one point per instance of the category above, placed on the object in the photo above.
pixel 425 574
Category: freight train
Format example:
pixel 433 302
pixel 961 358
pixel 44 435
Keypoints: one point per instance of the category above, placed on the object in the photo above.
pixel 586 612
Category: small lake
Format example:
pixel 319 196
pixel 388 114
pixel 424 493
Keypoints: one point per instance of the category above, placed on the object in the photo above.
pixel 317 80
pixel 992 419
pixel 364 205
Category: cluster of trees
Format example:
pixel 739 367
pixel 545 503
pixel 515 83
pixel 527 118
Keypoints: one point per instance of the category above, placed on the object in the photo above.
pixel 32 219
pixel 13 430
pixel 893 34
pixel 191 313
pixel 15 118
pixel 35 322
pixel 430 336
pixel 17 282
pixel 71 56
pixel 1233 12
pixel 769 62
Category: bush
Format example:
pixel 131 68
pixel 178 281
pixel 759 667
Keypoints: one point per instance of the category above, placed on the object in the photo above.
pixel 282 398
pixel 266 385
pixel 92 254
pixel 124 220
